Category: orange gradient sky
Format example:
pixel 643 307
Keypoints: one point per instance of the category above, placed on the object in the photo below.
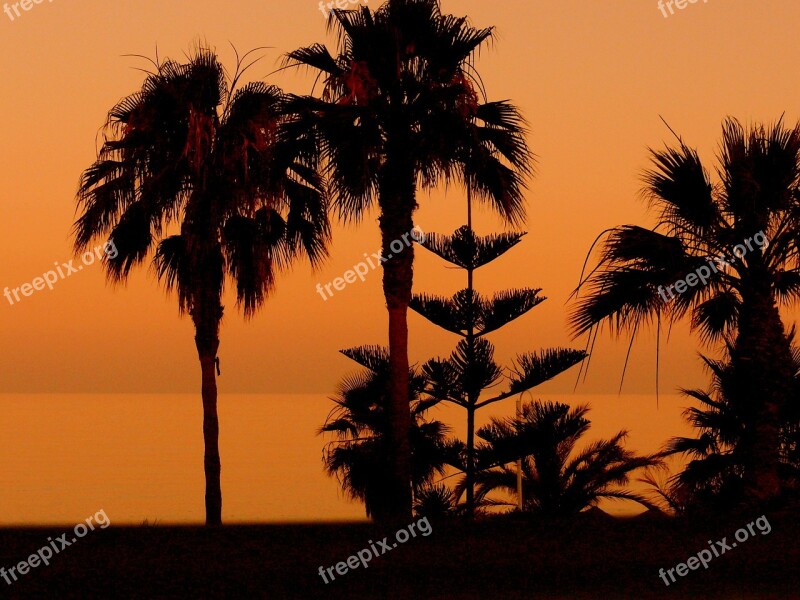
pixel 592 78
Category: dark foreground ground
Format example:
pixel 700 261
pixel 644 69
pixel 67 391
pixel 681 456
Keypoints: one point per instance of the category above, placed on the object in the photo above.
pixel 588 558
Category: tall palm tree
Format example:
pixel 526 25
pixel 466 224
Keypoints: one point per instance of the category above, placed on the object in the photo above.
pixel 361 425
pixel 557 480
pixel 399 109
pixel 710 228
pixel 211 180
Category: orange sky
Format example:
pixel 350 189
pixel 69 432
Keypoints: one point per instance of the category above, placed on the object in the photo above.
pixel 591 77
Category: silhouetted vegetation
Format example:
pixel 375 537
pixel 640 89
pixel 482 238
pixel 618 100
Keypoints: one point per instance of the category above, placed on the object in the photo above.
pixel 203 176
pixel 360 422
pixel 559 479
pixel 402 106
pixel 471 370
pixel 699 220
pixel 713 479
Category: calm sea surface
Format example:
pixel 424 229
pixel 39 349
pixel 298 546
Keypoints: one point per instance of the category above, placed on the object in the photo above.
pixel 141 456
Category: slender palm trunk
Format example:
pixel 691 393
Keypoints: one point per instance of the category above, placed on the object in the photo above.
pixel 207 321
pixel 398 271
pixel 763 362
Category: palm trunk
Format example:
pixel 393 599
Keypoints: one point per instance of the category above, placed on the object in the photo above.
pixel 398 271
pixel 207 342
pixel 763 363
pixel 399 413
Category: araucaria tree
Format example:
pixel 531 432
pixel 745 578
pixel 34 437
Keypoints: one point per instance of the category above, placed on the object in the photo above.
pixel 399 109
pixel 214 182
pixel 463 377
pixel 751 218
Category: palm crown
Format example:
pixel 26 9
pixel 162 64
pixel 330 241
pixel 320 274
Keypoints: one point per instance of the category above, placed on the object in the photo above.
pixel 189 148
pixel 361 425
pixel 700 221
pixel 403 90
pixel 558 480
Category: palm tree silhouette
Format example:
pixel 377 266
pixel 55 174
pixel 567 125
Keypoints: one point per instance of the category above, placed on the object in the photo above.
pixel 557 480
pixel 361 425
pixel 398 109
pixel 712 480
pixel 214 182
pixel 699 221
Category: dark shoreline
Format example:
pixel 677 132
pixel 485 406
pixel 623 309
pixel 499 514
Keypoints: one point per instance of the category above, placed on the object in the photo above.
pixel 585 558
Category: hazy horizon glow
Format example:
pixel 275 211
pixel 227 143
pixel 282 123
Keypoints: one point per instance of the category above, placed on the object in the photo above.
pixel 593 79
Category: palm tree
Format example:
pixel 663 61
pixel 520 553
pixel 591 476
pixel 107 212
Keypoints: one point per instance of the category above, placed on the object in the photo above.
pixel 713 477
pixel 436 501
pixel 709 229
pixel 357 457
pixel 557 480
pixel 399 109
pixel 212 181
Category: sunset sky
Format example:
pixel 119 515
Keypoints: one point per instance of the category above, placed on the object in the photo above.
pixel 592 79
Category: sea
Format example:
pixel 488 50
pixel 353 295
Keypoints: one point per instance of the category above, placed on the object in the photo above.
pixel 139 457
